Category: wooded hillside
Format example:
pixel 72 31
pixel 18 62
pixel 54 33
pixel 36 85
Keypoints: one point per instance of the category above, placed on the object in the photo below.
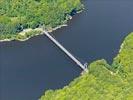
pixel 17 15
pixel 104 81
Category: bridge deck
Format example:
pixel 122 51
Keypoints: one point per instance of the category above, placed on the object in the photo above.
pixel 66 51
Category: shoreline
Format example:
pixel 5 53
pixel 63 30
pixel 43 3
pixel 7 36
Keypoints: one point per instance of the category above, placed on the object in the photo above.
pixel 40 31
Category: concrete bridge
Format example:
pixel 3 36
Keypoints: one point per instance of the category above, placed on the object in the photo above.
pixel 82 66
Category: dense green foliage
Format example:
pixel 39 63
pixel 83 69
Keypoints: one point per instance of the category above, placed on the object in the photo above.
pixel 124 60
pixel 103 81
pixel 17 15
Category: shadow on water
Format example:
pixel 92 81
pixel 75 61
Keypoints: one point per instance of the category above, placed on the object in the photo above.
pixel 29 68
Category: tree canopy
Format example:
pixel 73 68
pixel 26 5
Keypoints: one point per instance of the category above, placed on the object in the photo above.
pixel 103 81
pixel 16 15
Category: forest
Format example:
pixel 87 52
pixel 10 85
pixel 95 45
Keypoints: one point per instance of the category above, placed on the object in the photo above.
pixel 103 81
pixel 17 15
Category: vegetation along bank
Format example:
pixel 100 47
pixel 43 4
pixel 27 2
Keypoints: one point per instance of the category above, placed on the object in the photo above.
pixel 103 81
pixel 17 17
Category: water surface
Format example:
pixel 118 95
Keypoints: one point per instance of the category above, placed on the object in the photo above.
pixel 29 68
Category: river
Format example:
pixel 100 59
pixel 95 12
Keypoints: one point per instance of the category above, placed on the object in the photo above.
pixel 28 69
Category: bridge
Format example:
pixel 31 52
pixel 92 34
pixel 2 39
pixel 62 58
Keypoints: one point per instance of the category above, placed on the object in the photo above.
pixel 82 66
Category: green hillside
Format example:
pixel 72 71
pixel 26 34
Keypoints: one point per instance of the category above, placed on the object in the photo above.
pixel 104 81
pixel 17 15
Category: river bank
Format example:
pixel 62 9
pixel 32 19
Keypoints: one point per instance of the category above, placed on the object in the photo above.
pixel 29 33
pixel 35 66
pixel 103 81
pixel 48 15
